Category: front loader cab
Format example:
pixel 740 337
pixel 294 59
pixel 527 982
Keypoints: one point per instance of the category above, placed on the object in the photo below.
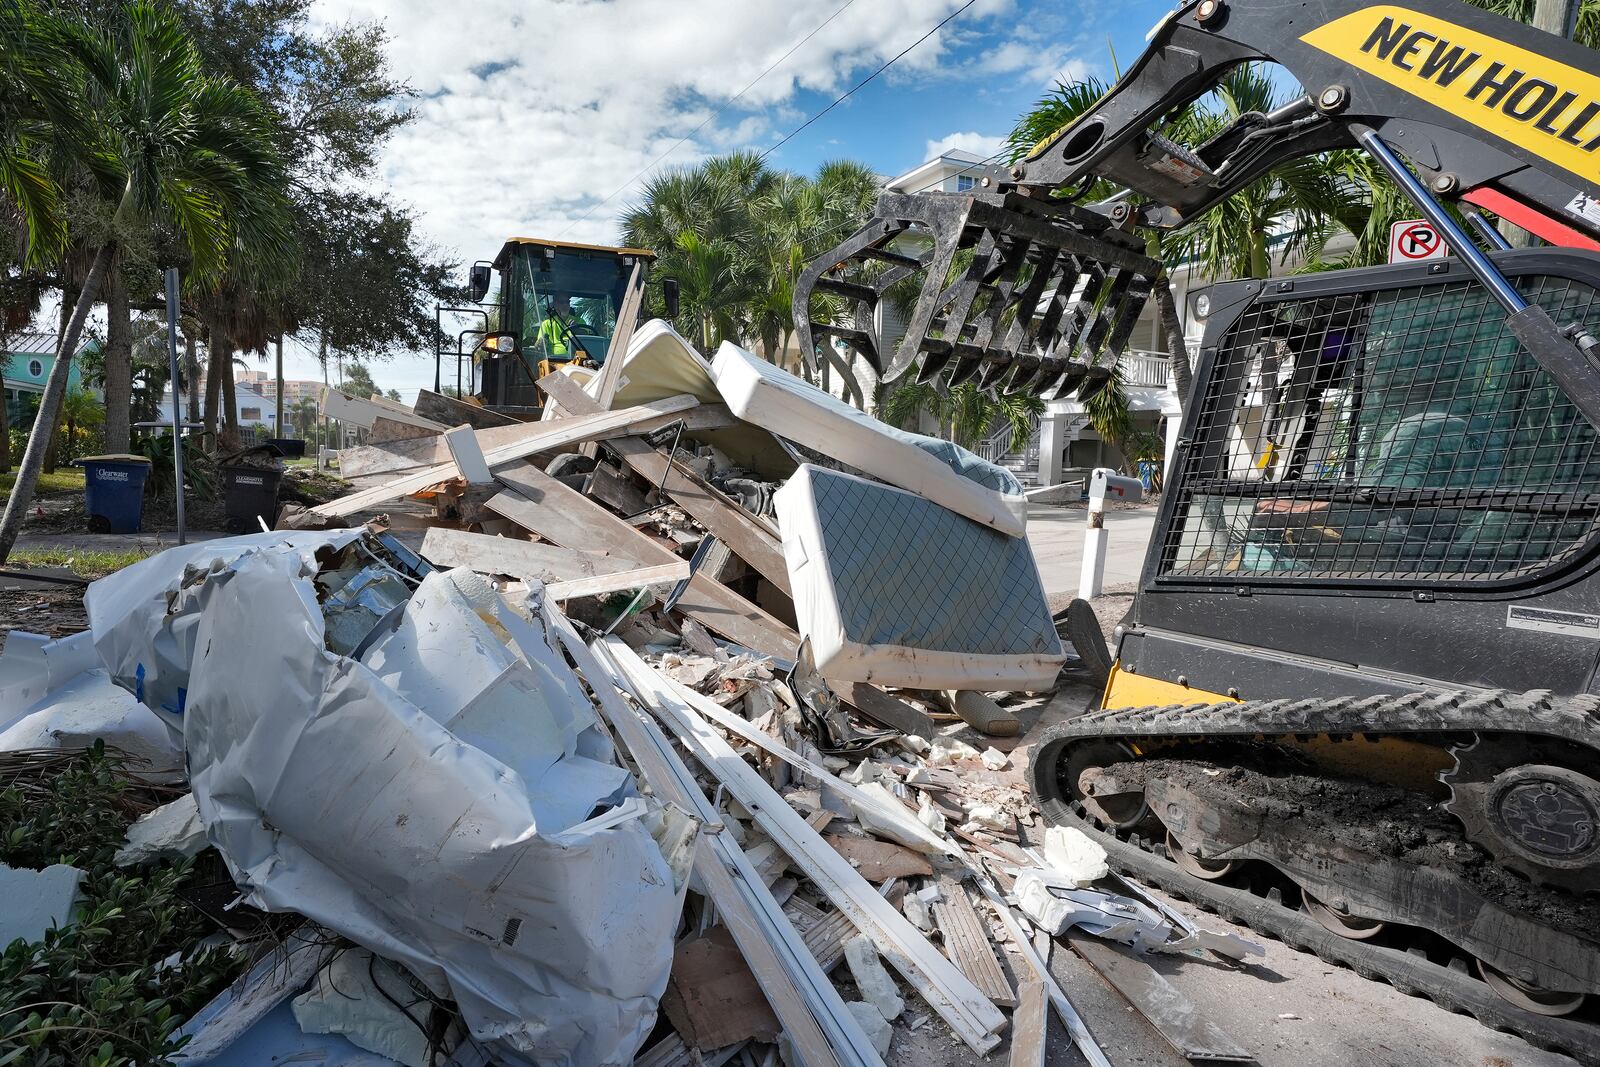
pixel 556 304
pixel 1377 490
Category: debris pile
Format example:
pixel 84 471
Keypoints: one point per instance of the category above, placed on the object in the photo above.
pixel 627 735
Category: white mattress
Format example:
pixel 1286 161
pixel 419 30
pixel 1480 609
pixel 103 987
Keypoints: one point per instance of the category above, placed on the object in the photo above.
pixel 660 363
pixel 946 473
pixel 893 589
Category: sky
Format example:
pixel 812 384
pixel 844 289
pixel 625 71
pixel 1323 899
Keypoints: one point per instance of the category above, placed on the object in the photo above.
pixel 545 117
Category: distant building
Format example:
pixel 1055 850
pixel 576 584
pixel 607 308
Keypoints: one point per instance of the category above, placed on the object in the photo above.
pixel 954 172
pixel 255 409
pixel 28 358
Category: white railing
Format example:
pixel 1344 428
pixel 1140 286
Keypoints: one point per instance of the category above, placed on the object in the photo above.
pixel 1145 370
pixel 1000 444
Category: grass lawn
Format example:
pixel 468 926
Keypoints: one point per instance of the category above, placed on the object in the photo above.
pixel 64 480
pixel 82 562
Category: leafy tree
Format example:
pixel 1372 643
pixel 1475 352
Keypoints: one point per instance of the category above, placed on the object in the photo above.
pixel 358 381
pixel 159 140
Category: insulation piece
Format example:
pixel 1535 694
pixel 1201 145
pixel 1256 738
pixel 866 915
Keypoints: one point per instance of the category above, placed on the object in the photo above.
pixel 894 589
pixel 939 470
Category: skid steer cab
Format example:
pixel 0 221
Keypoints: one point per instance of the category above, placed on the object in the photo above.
pixel 541 305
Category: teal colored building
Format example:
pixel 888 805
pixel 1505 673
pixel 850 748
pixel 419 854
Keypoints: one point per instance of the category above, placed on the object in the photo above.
pixel 28 358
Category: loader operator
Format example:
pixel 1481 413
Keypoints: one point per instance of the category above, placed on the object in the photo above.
pixel 556 333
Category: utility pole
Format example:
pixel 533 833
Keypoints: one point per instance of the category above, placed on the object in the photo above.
pixel 1559 17
pixel 279 422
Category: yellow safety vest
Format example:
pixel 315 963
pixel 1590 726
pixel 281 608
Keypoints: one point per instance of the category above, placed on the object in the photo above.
pixel 552 336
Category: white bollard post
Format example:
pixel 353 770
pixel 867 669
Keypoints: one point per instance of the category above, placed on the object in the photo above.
pixel 1102 482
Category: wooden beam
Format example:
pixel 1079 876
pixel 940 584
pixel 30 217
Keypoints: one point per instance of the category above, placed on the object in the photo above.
pixel 536 437
pixel 752 539
pixel 636 578
pixel 617 349
pixel 882 708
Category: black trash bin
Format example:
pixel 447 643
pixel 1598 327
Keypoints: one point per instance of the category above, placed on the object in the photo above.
pixel 248 494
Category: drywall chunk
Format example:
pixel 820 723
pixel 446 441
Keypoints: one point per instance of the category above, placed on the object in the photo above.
pixel 948 750
pixel 875 1026
pixel 171 832
pixel 994 759
pixel 877 988
pixel 1074 855
pixel 36 900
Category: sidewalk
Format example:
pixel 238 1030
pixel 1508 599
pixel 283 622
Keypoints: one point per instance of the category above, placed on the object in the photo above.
pixel 93 542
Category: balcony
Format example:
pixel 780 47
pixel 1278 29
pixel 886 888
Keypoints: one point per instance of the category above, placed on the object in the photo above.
pixel 1145 370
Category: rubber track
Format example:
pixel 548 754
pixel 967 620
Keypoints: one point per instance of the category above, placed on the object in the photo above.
pixel 1575 719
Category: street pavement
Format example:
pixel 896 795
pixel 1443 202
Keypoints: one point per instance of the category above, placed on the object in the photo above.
pixel 1056 535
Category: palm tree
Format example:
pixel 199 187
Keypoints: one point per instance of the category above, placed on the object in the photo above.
pixel 164 143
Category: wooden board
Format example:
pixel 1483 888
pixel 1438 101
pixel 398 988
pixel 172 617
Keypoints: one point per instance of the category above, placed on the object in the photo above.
pixel 621 337
pixel 752 538
pixel 1173 1015
pixel 385 430
pixel 966 942
pixel 638 578
pixel 526 560
pixel 711 998
pixel 879 861
pixel 1030 1027
pixel 450 411
pixel 535 437
pixel 394 457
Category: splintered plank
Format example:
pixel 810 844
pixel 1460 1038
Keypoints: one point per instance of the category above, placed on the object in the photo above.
pixel 526 560
pixel 450 411
pixel 1030 1027
pixel 966 942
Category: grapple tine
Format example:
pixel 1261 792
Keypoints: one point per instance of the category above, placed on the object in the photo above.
pixel 1046 281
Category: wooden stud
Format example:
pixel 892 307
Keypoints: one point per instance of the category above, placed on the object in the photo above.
pixel 966 942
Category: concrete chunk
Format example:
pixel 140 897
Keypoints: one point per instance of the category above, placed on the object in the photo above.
pixel 875 1026
pixel 877 988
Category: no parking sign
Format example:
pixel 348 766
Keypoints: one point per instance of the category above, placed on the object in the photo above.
pixel 1415 239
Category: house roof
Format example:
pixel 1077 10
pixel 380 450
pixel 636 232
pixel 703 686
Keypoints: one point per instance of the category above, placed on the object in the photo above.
pixel 937 169
pixel 36 343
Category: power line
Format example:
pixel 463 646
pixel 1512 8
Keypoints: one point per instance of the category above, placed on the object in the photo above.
pixel 710 118
pixel 839 100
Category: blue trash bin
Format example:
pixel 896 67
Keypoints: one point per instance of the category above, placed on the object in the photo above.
pixel 113 492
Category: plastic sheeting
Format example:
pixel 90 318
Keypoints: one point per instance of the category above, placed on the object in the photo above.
pixel 943 472
pixel 449 803
pixel 895 590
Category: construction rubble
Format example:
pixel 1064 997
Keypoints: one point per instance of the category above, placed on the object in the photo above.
pixel 670 729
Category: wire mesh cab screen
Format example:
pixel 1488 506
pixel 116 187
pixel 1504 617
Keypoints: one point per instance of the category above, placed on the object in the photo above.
pixel 1393 434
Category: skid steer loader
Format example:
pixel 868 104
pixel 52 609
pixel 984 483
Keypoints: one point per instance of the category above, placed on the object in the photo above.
pixel 1354 703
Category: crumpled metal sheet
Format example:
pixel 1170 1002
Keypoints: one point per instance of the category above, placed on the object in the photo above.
pixel 142 632
pixel 451 804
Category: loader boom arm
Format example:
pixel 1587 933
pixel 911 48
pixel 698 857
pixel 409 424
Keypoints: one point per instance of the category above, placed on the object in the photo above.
pixel 1484 109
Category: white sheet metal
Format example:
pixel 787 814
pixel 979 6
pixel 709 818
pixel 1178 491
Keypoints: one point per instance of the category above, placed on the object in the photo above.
pixel 501 865
pixel 944 472
pixel 143 627
pixel 90 707
pixel 894 589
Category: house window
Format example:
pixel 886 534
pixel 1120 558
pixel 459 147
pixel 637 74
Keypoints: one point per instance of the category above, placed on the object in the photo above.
pixel 250 414
pixel 35 369
pixel 964 182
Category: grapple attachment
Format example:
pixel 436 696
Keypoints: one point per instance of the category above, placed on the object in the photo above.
pixel 1044 303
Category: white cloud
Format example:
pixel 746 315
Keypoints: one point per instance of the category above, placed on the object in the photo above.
pixel 531 111
pixel 970 141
